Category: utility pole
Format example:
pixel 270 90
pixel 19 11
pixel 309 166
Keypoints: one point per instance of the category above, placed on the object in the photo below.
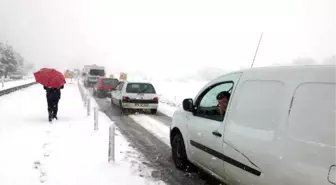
pixel 255 54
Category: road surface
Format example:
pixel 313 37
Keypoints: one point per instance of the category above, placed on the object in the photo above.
pixel 156 152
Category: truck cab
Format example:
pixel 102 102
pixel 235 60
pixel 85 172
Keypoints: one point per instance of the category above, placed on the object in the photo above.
pixel 91 75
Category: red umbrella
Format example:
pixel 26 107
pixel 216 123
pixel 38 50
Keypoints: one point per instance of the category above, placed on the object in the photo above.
pixel 50 78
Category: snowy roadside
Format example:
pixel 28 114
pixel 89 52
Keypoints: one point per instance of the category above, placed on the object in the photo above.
pixel 129 166
pixel 15 83
pixel 172 93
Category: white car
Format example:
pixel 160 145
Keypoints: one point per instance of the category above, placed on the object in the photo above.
pixel 278 127
pixel 135 95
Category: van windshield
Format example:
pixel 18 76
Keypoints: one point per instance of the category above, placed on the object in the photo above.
pixel 140 88
pixel 110 81
pixel 97 72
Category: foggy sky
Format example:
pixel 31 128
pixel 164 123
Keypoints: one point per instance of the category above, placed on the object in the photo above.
pixel 168 37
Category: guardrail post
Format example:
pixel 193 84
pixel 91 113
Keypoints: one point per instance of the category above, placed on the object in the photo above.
pixel 111 143
pixel 3 82
pixel 84 99
pixel 95 118
pixel 88 105
pixel 82 94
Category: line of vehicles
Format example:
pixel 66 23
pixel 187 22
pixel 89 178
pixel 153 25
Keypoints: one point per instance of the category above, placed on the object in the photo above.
pixel 125 94
pixel 277 126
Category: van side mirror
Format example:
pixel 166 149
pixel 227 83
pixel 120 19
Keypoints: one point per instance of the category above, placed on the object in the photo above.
pixel 188 104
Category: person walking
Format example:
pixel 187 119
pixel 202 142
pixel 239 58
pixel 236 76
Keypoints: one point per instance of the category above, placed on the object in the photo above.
pixel 53 97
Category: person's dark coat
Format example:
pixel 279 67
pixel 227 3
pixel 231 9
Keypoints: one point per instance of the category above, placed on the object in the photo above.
pixel 53 93
pixel 53 97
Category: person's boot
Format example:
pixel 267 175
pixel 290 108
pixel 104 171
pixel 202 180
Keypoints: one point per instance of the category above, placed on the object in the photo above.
pixel 50 118
pixel 55 114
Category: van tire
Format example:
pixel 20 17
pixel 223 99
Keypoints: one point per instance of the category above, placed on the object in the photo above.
pixel 179 153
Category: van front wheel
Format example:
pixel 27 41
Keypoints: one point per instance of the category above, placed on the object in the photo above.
pixel 179 153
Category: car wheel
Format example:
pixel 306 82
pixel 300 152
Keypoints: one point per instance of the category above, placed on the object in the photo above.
pixel 112 104
pixel 179 153
pixel 153 111
pixel 123 110
pixel 99 94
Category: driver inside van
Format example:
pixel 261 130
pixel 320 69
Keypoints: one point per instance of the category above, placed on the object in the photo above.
pixel 223 100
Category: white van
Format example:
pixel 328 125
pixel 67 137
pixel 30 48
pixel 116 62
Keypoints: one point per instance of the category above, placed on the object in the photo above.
pixel 278 127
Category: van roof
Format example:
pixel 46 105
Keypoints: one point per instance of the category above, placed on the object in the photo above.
pixel 289 72
pixel 284 69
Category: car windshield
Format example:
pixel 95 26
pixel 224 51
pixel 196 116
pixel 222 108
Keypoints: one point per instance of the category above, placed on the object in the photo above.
pixel 110 81
pixel 140 88
pixel 97 72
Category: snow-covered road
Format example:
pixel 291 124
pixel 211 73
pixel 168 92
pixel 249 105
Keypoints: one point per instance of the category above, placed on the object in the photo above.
pixel 66 152
pixel 149 134
pixel 70 152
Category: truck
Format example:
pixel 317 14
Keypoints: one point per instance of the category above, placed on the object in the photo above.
pixel 91 74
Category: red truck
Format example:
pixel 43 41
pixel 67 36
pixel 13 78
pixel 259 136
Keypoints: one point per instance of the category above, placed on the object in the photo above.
pixel 104 86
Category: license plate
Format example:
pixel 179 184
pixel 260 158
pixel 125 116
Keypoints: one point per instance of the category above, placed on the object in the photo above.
pixel 141 105
pixel 139 97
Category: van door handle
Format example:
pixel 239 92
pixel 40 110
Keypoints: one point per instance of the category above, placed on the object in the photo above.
pixel 216 133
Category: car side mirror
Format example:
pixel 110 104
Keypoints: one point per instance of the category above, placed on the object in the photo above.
pixel 188 104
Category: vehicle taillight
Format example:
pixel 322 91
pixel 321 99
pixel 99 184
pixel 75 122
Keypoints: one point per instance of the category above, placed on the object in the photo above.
pixel 125 98
pixel 156 99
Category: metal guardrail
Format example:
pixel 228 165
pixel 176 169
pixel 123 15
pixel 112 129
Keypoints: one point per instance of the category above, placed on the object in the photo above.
pixel 82 90
pixel 12 89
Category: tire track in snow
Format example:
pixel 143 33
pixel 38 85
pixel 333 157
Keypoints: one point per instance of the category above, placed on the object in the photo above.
pixel 155 150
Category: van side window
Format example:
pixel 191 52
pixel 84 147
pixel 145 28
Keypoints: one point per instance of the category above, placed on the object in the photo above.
pixel 258 104
pixel 312 116
pixel 208 104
